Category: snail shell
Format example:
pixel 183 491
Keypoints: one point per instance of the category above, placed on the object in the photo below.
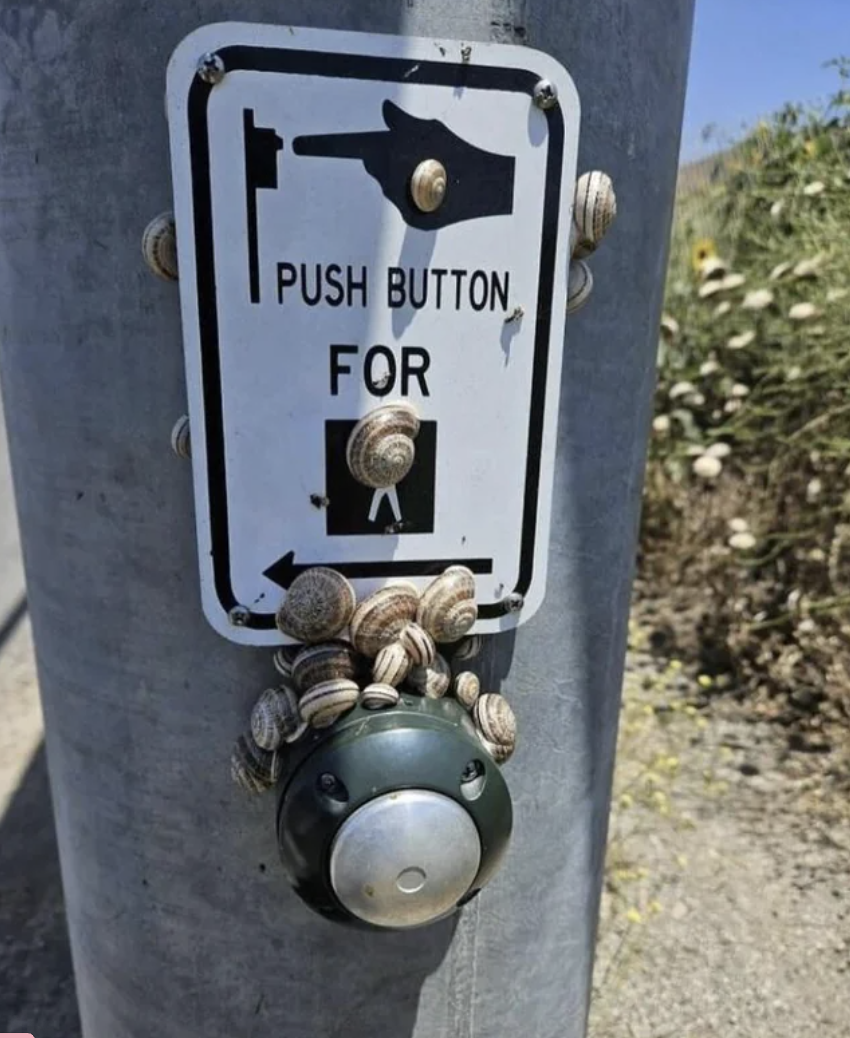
pixel 319 604
pixel 468 648
pixel 326 702
pixel 433 681
pixel 418 644
pixel 447 609
pixel 467 688
pixel 579 286
pixel 381 450
pixel 428 185
pixel 181 437
pixel 379 697
pixel 380 618
pixel 315 664
pixel 282 660
pixel 495 719
pixel 253 768
pixel 595 211
pixel 500 754
pixel 392 665
pixel 275 717
pixel 159 246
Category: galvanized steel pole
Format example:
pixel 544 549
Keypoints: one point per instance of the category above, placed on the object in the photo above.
pixel 181 922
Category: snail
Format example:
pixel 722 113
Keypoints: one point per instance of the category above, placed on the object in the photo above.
pixel 379 697
pixel 500 754
pixel 594 212
pixel 275 718
pixel 418 644
pixel 159 246
pixel 324 662
pixel 466 689
pixel 428 185
pixel 380 618
pixel 381 450
pixel 447 608
pixel 579 287
pixel 181 438
pixel 496 721
pixel 318 605
pixel 253 768
pixel 283 658
pixel 467 649
pixel 392 665
pixel 328 701
pixel 432 681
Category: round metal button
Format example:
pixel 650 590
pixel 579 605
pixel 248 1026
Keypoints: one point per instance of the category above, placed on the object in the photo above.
pixel 405 859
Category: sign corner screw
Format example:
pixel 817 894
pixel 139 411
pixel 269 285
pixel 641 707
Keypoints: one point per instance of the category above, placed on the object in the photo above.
pixel 239 616
pixel 211 68
pixel 545 94
pixel 513 603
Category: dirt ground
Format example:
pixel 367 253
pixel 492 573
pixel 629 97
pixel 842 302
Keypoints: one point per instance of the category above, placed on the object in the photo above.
pixel 726 912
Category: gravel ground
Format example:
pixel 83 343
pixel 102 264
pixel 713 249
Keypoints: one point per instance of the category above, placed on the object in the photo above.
pixel 726 912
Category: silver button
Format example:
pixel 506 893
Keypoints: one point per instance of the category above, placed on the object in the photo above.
pixel 405 859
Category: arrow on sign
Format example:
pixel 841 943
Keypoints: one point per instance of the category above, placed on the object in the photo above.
pixel 285 570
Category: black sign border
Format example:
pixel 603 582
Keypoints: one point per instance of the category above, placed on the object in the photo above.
pixel 388 70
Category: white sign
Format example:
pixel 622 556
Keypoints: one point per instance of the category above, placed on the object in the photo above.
pixel 313 290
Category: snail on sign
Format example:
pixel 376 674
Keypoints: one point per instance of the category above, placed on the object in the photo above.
pixel 319 604
pixel 159 246
pixel 595 209
pixel 381 448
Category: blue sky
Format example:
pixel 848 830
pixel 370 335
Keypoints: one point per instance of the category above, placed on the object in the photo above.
pixel 750 56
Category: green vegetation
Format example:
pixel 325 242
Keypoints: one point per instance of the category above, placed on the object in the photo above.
pixel 747 515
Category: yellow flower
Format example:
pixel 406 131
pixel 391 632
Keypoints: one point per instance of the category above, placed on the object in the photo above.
pixel 634 916
pixel 702 250
pixel 704 681
pixel 810 148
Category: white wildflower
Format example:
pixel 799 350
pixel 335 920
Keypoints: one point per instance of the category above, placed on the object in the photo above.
pixel 695 400
pixel 792 374
pixel 808 268
pixel 712 267
pixel 835 294
pixel 817 555
pixel 707 467
pixel 814 488
pixel 719 450
pixel 780 270
pixel 739 342
pixel 708 368
pixel 815 188
pixel 661 424
pixel 731 406
pixel 738 525
pixel 806 626
pixel 716 415
pixel 802 311
pixel 758 299
pixel 739 390
pixel 710 288
pixel 732 281
pixel 742 541
pixel 669 326
pixel 722 308
pixel 777 208
pixel 681 389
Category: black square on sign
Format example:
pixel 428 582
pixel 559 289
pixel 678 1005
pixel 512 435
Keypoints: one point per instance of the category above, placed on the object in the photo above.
pixel 355 509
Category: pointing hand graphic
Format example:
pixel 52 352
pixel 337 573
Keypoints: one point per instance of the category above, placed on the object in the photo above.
pixel 480 183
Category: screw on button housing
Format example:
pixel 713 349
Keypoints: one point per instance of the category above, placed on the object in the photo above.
pixel 545 94
pixel 211 68
pixel 239 616
pixel 513 603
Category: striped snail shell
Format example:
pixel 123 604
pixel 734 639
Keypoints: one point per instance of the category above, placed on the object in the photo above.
pixel 181 437
pixel 418 644
pixel 381 449
pixel 253 768
pixel 595 211
pixel 500 754
pixel 380 618
pixel 468 648
pixel 392 665
pixel 447 609
pixel 324 662
pixel 579 286
pixel 318 605
pixel 275 717
pixel 495 720
pixel 432 681
pixel 327 702
pixel 379 697
pixel 159 246
pixel 283 658
pixel 467 688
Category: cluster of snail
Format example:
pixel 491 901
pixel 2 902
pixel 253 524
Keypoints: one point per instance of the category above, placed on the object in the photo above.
pixel 595 209
pixel 392 642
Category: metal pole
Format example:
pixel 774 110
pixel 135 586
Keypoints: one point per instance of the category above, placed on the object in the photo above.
pixel 180 920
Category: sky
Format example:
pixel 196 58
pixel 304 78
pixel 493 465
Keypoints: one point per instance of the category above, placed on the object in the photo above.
pixel 751 56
